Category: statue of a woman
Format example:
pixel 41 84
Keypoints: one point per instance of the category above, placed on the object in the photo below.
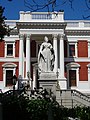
pixel 46 57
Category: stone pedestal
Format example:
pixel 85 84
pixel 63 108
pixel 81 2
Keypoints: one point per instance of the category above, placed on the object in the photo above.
pixel 48 81
pixel 62 83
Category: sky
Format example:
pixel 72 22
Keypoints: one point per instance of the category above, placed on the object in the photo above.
pixel 79 10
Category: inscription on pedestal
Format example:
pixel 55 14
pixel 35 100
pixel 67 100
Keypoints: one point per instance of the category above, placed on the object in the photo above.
pixel 48 75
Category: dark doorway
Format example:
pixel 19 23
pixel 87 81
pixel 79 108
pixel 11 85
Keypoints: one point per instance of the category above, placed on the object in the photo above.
pixel 72 78
pixel 9 76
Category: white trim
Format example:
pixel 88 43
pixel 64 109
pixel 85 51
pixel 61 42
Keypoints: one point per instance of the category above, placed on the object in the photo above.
pixel 41 31
pixel 73 66
pixel 7 43
pixel 76 38
pixel 8 66
pixel 72 43
pixel 82 59
pixel 88 49
pixel 11 38
pixel 88 74
pixel 33 59
pixel 9 59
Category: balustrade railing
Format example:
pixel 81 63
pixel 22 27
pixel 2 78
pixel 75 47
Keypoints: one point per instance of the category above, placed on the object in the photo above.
pixel 72 24
pixel 73 98
pixel 42 16
pixel 78 23
pixel 80 95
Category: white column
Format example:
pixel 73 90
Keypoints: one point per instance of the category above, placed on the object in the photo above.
pixel 34 77
pixel 28 61
pixel 62 79
pixel 61 56
pixel 21 54
pixel 55 51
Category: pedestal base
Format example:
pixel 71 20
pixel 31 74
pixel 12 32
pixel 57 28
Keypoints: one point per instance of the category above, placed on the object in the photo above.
pixel 62 83
pixel 48 81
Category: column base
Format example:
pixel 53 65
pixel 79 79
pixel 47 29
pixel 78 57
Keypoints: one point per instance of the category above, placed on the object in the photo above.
pixel 62 83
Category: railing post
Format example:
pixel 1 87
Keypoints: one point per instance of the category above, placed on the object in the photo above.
pixel 61 97
pixel 72 98
pixel 1 116
pixel 72 102
pixel 61 101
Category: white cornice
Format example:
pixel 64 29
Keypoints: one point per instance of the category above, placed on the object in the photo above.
pixel 41 31
pixel 77 32
pixel 10 59
pixel 9 65
pixel 41 25
pixel 72 64
pixel 82 59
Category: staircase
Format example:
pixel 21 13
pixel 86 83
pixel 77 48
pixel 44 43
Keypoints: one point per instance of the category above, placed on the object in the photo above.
pixel 72 98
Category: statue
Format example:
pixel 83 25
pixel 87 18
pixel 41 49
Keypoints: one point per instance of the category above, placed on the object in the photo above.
pixel 46 56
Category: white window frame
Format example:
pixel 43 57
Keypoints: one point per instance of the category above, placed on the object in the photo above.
pixel 8 66
pixel 88 66
pixel 8 43
pixel 73 66
pixel 72 43
pixel 88 49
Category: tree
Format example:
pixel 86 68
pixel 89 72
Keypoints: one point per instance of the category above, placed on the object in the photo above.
pixel 3 26
pixel 40 105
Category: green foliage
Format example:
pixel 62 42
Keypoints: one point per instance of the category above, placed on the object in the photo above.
pixel 37 109
pixel 21 107
pixel 83 113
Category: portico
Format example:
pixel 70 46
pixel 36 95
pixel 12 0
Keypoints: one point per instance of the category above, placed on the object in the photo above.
pixel 33 30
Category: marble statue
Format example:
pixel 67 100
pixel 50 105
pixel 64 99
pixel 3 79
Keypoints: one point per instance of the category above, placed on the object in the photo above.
pixel 46 56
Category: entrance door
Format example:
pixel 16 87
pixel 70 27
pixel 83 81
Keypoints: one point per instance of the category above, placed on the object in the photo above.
pixel 72 78
pixel 9 76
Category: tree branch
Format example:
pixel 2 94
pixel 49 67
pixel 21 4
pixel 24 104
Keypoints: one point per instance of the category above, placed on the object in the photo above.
pixel 35 6
pixel 87 3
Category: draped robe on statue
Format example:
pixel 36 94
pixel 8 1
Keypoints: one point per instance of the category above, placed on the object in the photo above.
pixel 46 57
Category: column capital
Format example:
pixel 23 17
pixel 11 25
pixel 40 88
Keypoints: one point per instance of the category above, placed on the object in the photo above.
pixel 28 36
pixel 61 36
pixel 55 35
pixel 21 36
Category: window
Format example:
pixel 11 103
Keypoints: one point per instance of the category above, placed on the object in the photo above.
pixel 9 49
pixel 9 76
pixel 71 50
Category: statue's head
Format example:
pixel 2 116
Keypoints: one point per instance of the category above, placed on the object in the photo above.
pixel 46 39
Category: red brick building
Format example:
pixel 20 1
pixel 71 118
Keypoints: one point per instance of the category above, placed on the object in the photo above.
pixel 70 40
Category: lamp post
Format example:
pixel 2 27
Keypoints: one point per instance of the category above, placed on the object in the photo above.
pixel 14 81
